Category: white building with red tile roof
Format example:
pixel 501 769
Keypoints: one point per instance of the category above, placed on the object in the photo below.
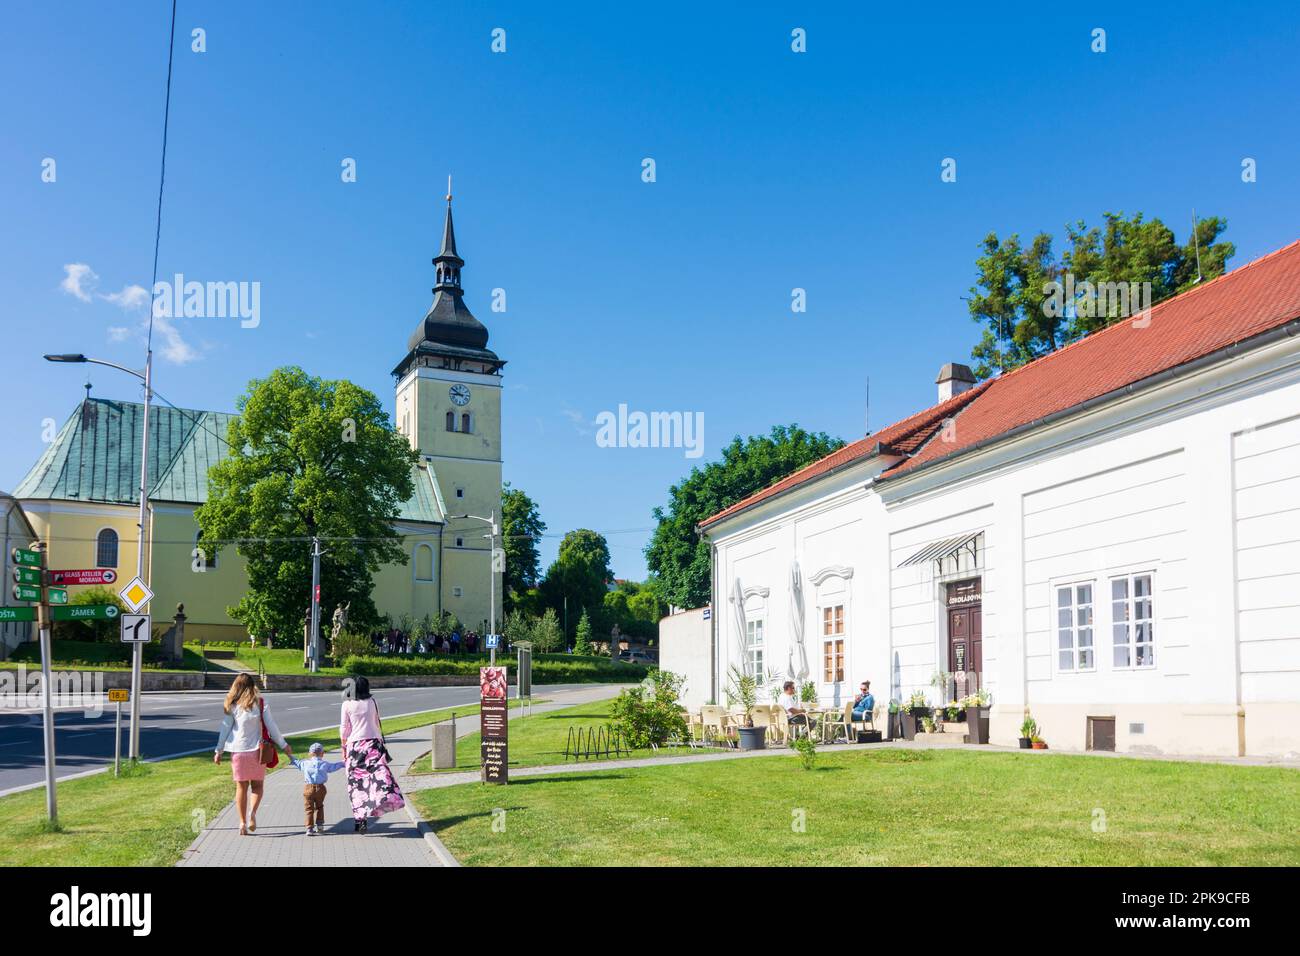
pixel 1106 539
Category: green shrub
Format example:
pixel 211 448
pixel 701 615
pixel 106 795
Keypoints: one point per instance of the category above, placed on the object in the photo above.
pixel 649 714
pixel 349 644
pixel 547 668
pixel 806 748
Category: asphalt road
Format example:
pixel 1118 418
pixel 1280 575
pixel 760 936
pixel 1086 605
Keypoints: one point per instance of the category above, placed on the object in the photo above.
pixel 174 722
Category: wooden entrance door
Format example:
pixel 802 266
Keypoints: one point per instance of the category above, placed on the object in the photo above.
pixel 965 629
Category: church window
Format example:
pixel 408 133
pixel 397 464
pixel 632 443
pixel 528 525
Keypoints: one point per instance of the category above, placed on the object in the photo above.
pixel 209 560
pixel 106 549
pixel 423 561
pixel 451 421
pixel 464 422
pixel 460 542
pixel 460 492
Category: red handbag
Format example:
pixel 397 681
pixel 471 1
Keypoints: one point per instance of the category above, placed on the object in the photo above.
pixel 266 753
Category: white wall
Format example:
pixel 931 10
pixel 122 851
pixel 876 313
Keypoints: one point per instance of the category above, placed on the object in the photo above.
pixel 684 649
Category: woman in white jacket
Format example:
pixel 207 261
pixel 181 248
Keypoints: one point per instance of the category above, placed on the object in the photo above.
pixel 241 735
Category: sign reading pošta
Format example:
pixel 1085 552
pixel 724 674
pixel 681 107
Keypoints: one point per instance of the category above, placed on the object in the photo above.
pixel 493 723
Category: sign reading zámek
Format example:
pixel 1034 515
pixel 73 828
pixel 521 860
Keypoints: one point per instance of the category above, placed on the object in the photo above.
pixel 493 685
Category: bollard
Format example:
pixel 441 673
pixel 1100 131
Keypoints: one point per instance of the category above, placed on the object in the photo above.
pixel 444 745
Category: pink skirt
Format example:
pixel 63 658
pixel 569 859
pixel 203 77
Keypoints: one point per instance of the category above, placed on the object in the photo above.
pixel 246 766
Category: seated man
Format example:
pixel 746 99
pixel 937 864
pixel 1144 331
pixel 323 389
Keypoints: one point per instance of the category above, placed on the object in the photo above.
pixel 788 702
pixel 864 704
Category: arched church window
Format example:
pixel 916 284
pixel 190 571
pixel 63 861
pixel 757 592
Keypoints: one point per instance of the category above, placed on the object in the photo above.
pixel 106 549
pixel 451 421
pixel 423 562
pixel 464 422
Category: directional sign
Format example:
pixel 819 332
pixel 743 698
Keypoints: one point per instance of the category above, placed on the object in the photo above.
pixel 136 594
pixel 85 612
pixel 17 614
pixel 25 592
pixel 30 558
pixel 84 576
pixel 56 595
pixel 493 641
pixel 27 575
pixel 118 695
pixel 135 629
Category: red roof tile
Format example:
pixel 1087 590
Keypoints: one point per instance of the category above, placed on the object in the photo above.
pixel 1238 305
pixel 901 438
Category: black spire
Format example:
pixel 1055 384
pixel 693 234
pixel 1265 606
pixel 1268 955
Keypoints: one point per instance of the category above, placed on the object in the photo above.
pixel 448 322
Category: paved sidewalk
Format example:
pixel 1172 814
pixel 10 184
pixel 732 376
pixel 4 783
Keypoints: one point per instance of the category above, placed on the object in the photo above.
pixel 395 839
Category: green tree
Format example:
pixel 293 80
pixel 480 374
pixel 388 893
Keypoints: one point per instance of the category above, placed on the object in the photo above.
pixel 582 639
pixel 1012 298
pixel 522 528
pixel 102 631
pixel 677 556
pixel 308 457
pixel 547 635
pixel 579 573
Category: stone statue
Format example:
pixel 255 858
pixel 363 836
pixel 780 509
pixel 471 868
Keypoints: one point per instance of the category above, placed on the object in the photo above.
pixel 340 620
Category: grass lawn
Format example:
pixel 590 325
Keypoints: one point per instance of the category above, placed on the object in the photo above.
pixel 538 741
pixel 886 807
pixel 146 819
pixel 94 655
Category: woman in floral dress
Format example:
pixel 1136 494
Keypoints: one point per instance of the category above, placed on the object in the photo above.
pixel 371 786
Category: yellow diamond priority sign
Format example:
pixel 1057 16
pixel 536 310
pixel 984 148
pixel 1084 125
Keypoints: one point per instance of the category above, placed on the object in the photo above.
pixel 136 594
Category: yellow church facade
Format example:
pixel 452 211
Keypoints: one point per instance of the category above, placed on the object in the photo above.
pixel 81 496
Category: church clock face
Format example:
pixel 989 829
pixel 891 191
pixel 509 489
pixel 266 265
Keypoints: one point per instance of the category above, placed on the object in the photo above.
pixel 459 394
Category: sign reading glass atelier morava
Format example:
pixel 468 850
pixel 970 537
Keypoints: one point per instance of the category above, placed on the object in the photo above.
pixel 493 685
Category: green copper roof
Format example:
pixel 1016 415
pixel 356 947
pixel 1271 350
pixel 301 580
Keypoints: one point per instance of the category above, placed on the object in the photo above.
pixel 96 458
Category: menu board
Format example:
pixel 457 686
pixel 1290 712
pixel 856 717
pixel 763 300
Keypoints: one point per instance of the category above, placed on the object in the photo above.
pixel 493 722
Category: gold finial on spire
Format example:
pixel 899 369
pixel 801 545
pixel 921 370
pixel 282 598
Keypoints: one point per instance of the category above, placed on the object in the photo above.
pixel 449 187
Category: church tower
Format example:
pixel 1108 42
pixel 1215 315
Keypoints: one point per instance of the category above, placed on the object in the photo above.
pixel 449 409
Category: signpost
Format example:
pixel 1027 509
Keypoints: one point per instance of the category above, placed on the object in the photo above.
pixel 26 592
pixel 493 723
pixel 18 615
pixel 56 595
pixel 27 576
pixel 119 697
pixel 34 558
pixel 85 612
pixel 135 629
pixel 84 576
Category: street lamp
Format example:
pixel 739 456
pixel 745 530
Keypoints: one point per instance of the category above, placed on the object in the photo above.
pixel 492 575
pixel 137 653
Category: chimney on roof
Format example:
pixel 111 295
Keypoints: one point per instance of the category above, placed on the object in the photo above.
pixel 954 378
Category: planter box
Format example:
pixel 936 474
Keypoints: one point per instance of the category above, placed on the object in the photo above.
pixel 908 724
pixel 752 738
pixel 1025 743
pixel 977 724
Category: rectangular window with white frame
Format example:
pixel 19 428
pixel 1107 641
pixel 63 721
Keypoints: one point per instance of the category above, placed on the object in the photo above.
pixel 1075 650
pixel 1132 618
pixel 833 637
pixel 754 648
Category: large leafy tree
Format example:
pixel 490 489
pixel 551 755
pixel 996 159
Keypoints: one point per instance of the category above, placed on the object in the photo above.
pixel 579 574
pixel 1010 298
pixel 522 528
pixel 676 555
pixel 308 457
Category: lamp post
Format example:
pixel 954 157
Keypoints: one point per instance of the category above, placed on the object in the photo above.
pixel 137 652
pixel 492 575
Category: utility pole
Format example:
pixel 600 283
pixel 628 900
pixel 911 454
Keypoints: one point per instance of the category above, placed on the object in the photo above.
pixel 137 652
pixel 315 603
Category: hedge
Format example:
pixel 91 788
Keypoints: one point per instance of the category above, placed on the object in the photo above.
pixel 547 668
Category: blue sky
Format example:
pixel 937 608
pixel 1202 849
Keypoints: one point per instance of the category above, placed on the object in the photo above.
pixel 774 169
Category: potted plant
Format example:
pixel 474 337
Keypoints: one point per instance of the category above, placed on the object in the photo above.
pixel 911 712
pixel 977 716
pixel 1028 730
pixel 895 720
pixel 743 691
pixel 808 693
pixel 1038 742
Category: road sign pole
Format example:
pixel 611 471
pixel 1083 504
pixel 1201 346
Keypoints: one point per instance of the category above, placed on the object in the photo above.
pixel 315 604
pixel 117 742
pixel 137 656
pixel 47 702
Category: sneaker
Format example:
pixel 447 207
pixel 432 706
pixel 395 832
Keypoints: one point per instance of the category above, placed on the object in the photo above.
pixel 311 831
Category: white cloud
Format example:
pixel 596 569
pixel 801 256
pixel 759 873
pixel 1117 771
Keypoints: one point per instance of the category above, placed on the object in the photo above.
pixel 580 423
pixel 78 280
pixel 175 348
pixel 118 333
pixel 131 297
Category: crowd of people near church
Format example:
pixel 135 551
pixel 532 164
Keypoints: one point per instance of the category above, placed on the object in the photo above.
pixel 394 640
